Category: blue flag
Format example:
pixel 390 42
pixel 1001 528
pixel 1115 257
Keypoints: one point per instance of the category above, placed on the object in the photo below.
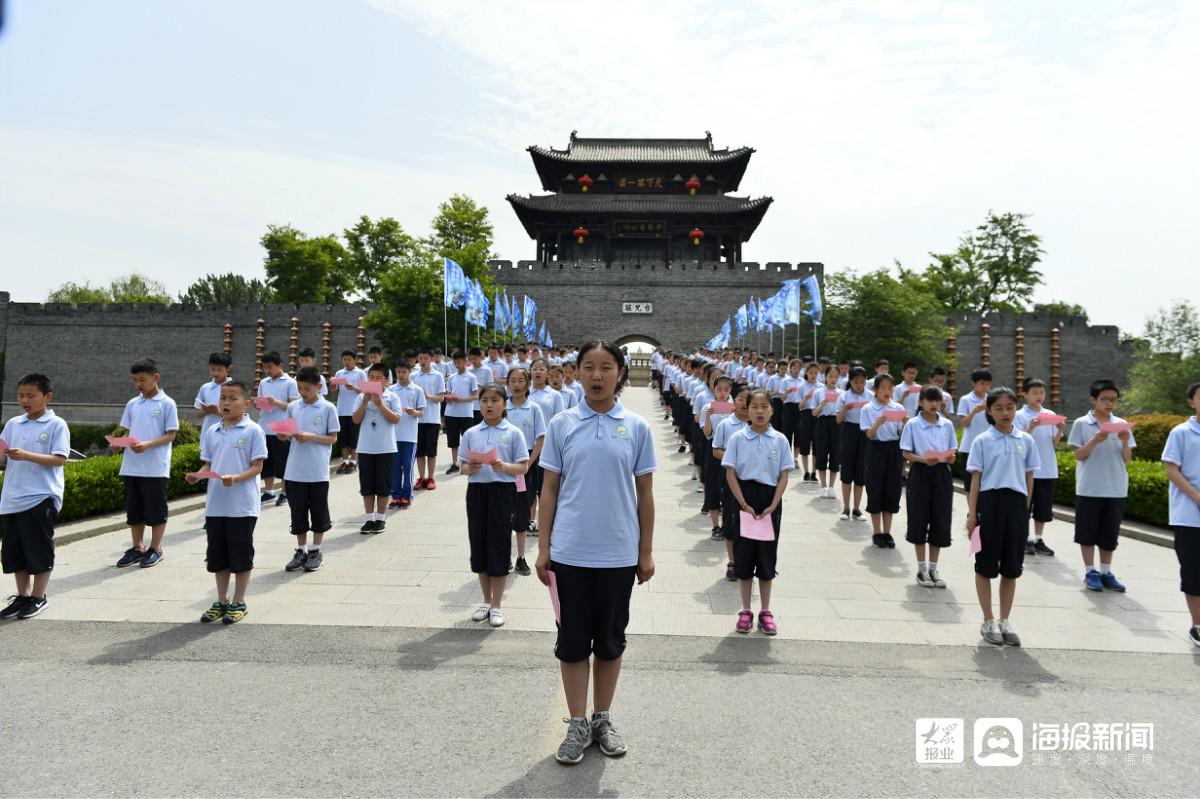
pixel 542 334
pixel 726 333
pixel 454 285
pixel 742 320
pixel 813 289
pixel 529 313
pixel 498 323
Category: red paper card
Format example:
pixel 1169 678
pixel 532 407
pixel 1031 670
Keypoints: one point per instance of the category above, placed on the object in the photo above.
pixel 761 529
pixel 121 441
pixel 3 445
pixel 263 403
pixel 371 387
pixel 718 408
pixel 831 396
pixel 850 406
pixel 942 454
pixel 287 427
pixel 520 484
pixel 914 389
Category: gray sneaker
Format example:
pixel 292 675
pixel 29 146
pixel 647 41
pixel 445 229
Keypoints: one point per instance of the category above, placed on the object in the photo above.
pixel 1008 634
pixel 991 632
pixel 924 579
pixel 297 561
pixel 313 562
pixel 579 738
pixel 606 736
pixel 937 578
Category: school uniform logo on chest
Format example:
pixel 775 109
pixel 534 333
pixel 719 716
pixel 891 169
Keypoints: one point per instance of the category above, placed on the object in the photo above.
pixel 44 437
pixel 622 431
pixel 241 442
pixel 773 453
pixel 157 412
pixel 504 437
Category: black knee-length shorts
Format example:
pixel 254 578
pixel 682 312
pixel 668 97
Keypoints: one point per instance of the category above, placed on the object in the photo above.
pixel 885 466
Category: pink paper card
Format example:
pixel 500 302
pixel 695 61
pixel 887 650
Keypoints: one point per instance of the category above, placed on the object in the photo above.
pixel 793 389
pixel 121 441
pixel 914 389
pixel 831 396
pixel 520 484
pixel 3 445
pixel 205 475
pixel 756 529
pixel 718 408
pixel 371 387
pixel 489 457
pixel 850 406
pixel 263 403
pixel 1050 418
pixel 287 427
pixel 894 414
pixel 976 541
pixel 554 597
pixel 945 455
pixel 338 381
pixel 1116 427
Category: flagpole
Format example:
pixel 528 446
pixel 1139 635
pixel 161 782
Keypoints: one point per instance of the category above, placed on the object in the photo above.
pixel 445 310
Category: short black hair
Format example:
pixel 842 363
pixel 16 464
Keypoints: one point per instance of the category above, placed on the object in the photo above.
pixel 981 374
pixel 375 349
pixel 220 359
pixel 308 374
pixel 146 366
pixel 1103 385
pixel 937 371
pixel 238 384
pixel 424 351
pixel 1033 382
pixel 351 353
pixel 883 376
pixel 856 371
pixel 38 381
pixel 908 365
pixel 403 363
pixel 1192 389
pixel 475 351
pixel 272 357
pixel 457 355
pixel 882 362
pixel 307 352
pixel 380 367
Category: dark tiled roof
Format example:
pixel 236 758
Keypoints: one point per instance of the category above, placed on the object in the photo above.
pixel 600 151
pixel 638 203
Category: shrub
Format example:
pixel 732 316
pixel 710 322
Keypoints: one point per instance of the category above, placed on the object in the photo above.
pixel 88 437
pixel 1148 489
pixel 187 433
pixel 1151 434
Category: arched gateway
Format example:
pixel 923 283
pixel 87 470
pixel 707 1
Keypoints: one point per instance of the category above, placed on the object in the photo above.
pixel 640 238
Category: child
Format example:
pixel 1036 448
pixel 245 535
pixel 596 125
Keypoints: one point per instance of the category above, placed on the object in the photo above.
pixel 412 404
pixel 375 356
pixel 1101 484
pixel 937 377
pixel 492 498
pixel 757 461
pixel 483 376
pixel 462 390
pixel 802 441
pixel 1004 460
pixel 209 394
pixel 280 388
pixel 377 416
pixel 972 417
pixel 496 364
pixel 1045 438
pixel 307 358
pixel 825 431
pixel 789 388
pixel 573 385
pixel 929 492
pixel 724 431
pixel 433 384
pixel 713 474
pixel 884 462
pixel 152 418
pixel 307 472
pixel 1182 458
pixel 235 449
pixel 909 391
pixel 570 400
pixel 346 395
pixel 527 417
pixel 39 442
pixel 550 401
pixel 881 368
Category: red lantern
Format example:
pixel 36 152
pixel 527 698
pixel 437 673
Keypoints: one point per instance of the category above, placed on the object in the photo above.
pixel 692 185
pixel 696 235
pixel 585 183
pixel 580 234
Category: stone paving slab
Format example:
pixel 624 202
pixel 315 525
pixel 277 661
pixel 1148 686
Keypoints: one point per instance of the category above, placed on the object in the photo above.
pixel 833 585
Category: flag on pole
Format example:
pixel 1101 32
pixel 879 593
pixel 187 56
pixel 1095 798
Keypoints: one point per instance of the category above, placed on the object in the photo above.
pixel 514 317
pixel 454 284
pixel 791 302
pixel 752 314
pixel 530 315
pixel 498 321
pixel 813 289
pixel 741 319
pixel 726 333
pixel 542 334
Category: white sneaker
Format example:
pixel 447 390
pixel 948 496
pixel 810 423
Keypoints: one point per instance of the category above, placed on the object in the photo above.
pixel 481 613
pixel 844 516
pixel 936 577
pixel 990 631
pixel 496 617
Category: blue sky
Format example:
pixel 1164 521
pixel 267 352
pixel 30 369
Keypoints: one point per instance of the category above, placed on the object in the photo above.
pixel 164 137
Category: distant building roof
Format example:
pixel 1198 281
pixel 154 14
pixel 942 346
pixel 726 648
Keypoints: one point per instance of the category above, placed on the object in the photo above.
pixel 746 210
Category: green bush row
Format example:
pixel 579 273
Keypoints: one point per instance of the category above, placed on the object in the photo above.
pixel 90 437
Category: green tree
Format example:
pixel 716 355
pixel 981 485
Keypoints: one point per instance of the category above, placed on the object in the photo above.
pixel 463 232
pixel 372 250
pixel 994 268
pixel 76 293
pixel 409 313
pixel 1061 309
pixel 1168 360
pixel 305 270
pixel 134 288
pixel 226 289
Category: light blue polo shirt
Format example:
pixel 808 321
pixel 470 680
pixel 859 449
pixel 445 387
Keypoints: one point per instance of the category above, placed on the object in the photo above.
pixel 920 437
pixel 888 431
pixel 725 430
pixel 483 376
pixel 570 400
pixel 1102 473
pixel 27 484
pixel 597 456
pixel 1183 450
pixel 549 400
pixel 499 369
pixel 433 383
pixel 529 420
pixel 308 462
pixel 282 388
pixel 966 404
pixel 853 415
pixel 508 442
pixel 911 400
pixel 209 394
pixel 829 408
pixel 758 456
pixel 231 450
pixel 410 396
pixel 1043 439
pixel 376 435
pixel 461 385
pixel 147 419
pixel 346 396
pixel 1003 460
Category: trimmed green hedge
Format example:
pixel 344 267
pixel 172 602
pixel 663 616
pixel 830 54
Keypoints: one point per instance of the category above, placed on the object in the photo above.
pixel 1148 489
pixel 94 486
pixel 1151 433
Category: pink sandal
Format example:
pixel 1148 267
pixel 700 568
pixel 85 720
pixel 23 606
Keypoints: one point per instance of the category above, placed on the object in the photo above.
pixel 745 622
pixel 766 623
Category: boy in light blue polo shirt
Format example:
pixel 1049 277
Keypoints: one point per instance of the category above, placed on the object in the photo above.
pixel 972 416
pixel 1182 458
pixel 209 395
pixel 235 449
pixel 37 444
pixel 280 388
pixel 412 410
pixel 347 394
pixel 307 472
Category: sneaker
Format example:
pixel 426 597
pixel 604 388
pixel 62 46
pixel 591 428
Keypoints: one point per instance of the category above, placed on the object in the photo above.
pixel 923 579
pixel 1194 635
pixel 857 515
pixel 845 515
pixel 33 606
pixel 217 611
pixel 699 488
pixel 420 484
pixel 453 469
pixel 351 467
pixel 579 738
pixel 152 557
pixel 368 527
pixel 297 561
pixel 766 623
pixel 730 574
pixel 1110 581
pixel 235 613
pixel 266 496
pixel 481 613
pixel 1042 549
pixel 533 528
pixel 888 541
pixel 938 582
pixel 496 617
pixel 522 568
pixel 877 540
pixel 341 469
pixel 606 737
pixel 15 604
pixel 313 561
pixel 717 534
pixel 1092 582
pixel 682 449
pixel 405 504
pixel 430 484
pixel 745 622
pixel 812 477
pixel 1008 634
pixel 132 555
pixel 281 500
pixel 990 631
pixel 378 528
pixel 394 504
pixel 1030 549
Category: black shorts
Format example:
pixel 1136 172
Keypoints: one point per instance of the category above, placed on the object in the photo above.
pixel 852 454
pixel 1003 518
pixel 455 427
pixel 802 439
pixel 230 543
pixel 825 443
pixel 790 415
pixel 29 539
pixel 777 413
pixel 427 439
pixel 594 606
pixel 534 478
pixel 277 455
pixel 1098 521
pixel 1187 550
pixel 145 500
pixel 490 508
pixel 375 474
pixel 347 437
pixel 309 504
pixel 885 466
pixel 523 509
pixel 929 498
pixel 753 558
pixel 1043 499
pixel 729 509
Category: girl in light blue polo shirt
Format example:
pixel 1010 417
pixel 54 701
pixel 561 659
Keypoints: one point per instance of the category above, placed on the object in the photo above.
pixel 885 464
pixel 1182 458
pixel 852 444
pixel 526 415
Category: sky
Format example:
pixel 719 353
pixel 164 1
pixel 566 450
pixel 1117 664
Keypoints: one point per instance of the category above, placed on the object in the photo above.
pixel 164 137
